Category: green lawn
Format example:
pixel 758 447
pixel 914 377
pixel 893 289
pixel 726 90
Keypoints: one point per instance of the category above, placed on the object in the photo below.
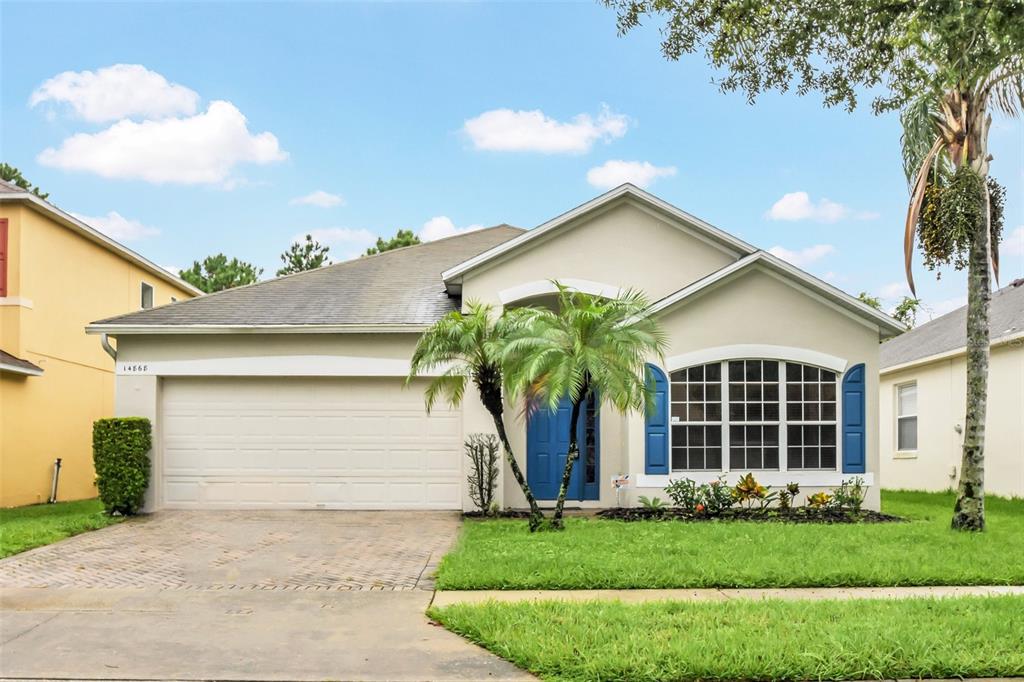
pixel 23 528
pixel 770 640
pixel 602 554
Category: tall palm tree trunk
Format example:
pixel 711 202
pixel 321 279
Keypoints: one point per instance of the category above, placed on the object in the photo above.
pixel 967 124
pixel 489 386
pixel 969 512
pixel 536 517
pixel 570 458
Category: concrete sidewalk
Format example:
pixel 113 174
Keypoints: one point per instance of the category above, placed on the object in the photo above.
pixel 704 595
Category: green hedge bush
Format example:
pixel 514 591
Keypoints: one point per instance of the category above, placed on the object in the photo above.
pixel 120 453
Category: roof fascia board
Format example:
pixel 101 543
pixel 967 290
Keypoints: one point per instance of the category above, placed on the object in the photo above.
pixel 793 277
pixel 134 329
pixel 98 237
pixel 949 354
pixel 589 207
pixel 16 369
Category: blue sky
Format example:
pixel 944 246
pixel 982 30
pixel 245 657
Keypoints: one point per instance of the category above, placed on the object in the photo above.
pixel 435 117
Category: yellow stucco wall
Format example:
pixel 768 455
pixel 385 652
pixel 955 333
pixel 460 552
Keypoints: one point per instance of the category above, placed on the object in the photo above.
pixel 58 282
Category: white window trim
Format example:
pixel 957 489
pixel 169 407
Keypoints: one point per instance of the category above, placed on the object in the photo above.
pixel 899 453
pixel 152 289
pixel 750 351
pixel 776 479
pixel 782 423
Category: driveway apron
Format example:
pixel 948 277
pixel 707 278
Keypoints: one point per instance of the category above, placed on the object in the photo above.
pixel 238 595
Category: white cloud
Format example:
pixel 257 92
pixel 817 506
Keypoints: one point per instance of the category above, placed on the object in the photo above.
pixel 505 130
pixel 897 289
pixel 798 206
pixel 345 242
pixel 173 269
pixel 1013 245
pixel 200 149
pixel 116 226
pixel 640 173
pixel 318 198
pixel 116 92
pixel 805 256
pixel 946 306
pixel 442 226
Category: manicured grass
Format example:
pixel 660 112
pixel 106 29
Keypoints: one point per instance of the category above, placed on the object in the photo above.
pixel 23 528
pixel 751 640
pixel 602 554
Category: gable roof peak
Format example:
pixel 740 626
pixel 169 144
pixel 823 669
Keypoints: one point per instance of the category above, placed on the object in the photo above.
pixel 672 213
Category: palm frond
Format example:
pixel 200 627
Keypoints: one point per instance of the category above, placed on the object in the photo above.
pixel 919 121
pixel 914 210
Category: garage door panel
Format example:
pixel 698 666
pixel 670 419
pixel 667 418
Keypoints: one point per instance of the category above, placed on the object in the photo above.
pixel 307 443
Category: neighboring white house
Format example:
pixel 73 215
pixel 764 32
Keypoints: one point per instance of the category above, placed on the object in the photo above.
pixel 924 395
pixel 289 393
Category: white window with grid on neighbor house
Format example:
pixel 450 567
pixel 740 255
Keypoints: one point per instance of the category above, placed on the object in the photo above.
pixel 906 417
pixel 754 415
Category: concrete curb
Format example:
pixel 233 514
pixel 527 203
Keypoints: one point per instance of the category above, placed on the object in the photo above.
pixel 446 598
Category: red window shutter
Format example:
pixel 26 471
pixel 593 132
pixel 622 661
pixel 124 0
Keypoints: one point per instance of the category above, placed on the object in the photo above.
pixel 3 257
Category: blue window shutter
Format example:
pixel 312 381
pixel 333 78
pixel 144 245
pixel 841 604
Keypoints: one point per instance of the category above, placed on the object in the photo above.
pixel 854 458
pixel 656 425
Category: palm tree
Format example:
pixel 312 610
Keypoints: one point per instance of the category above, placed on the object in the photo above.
pixel 467 346
pixel 956 210
pixel 590 348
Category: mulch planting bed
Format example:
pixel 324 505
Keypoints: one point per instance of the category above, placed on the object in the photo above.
pixel 797 515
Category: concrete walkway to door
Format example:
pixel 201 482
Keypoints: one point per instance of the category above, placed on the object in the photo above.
pixel 238 595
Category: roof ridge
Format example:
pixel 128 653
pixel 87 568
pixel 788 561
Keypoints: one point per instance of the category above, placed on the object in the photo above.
pixel 350 261
pixel 321 276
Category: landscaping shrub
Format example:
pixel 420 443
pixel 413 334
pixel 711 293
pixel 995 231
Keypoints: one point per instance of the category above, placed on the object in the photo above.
pixel 120 453
pixel 482 450
pixel 709 499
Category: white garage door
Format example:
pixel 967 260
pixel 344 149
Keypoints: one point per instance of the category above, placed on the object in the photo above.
pixel 333 443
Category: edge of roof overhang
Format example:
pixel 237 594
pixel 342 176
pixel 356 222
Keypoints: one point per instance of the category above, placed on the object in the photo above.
pixel 949 354
pixel 191 329
pixel 94 235
pixel 886 325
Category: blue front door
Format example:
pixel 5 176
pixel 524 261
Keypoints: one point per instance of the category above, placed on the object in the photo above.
pixel 547 445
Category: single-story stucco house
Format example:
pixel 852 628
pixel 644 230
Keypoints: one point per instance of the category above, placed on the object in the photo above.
pixel 923 400
pixel 289 393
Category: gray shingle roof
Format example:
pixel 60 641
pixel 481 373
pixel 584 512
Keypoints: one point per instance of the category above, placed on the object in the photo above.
pixel 402 286
pixel 949 332
pixel 14 361
pixel 10 188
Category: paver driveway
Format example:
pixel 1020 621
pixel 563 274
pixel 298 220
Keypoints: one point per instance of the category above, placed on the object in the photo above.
pixel 249 550
pixel 284 595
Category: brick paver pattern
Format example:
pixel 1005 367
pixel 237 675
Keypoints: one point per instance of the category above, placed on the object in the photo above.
pixel 246 550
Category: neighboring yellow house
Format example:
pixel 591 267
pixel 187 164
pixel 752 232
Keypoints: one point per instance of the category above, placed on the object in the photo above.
pixel 57 274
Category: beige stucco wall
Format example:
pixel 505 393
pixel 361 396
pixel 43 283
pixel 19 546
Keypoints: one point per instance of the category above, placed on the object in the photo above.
pixel 625 246
pixel 941 396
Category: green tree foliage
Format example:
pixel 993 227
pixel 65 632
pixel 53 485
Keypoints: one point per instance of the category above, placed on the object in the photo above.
pixel 468 346
pixel 12 174
pixel 401 238
pixel 217 273
pixel 591 348
pixel 873 301
pixel 302 256
pixel 943 64
pixel 906 311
